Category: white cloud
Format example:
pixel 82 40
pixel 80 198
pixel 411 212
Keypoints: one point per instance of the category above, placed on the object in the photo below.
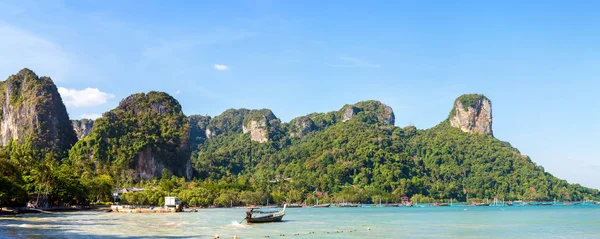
pixel 355 62
pixel 84 98
pixel 221 67
pixel 92 116
pixel 23 49
pixel 177 92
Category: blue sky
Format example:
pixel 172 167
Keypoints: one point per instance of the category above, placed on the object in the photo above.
pixel 539 62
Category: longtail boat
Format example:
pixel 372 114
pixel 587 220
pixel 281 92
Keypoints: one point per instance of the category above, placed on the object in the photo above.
pixel 255 215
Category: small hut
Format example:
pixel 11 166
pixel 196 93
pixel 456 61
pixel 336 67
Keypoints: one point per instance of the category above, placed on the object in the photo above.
pixel 173 203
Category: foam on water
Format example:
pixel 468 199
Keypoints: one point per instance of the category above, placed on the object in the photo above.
pixel 237 224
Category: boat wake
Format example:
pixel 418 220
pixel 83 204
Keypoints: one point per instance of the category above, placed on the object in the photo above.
pixel 237 224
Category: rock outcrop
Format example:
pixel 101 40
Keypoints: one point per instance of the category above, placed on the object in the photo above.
pixel 349 113
pixel 82 127
pixel 256 123
pixel 230 121
pixel 145 133
pixel 31 109
pixel 235 121
pixel 257 130
pixel 199 130
pixel 370 110
pixel 301 126
pixel 472 113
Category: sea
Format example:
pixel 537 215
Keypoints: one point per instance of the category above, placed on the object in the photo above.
pixel 576 221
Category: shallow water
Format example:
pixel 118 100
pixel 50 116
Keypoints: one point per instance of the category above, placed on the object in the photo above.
pixel 433 222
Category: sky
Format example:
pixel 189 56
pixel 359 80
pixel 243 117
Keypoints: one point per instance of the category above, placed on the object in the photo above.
pixel 538 61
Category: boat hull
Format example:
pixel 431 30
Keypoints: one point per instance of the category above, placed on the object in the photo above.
pixel 270 218
pixel 322 205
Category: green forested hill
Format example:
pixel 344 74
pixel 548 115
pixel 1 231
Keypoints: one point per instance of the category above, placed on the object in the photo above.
pixel 243 156
pixel 355 157
pixel 145 134
pixel 366 156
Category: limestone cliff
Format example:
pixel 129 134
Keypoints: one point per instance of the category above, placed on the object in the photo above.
pixel 258 123
pixel 472 113
pixel 371 110
pixel 199 129
pixel 31 109
pixel 301 126
pixel 145 133
pixel 82 127
pixel 230 121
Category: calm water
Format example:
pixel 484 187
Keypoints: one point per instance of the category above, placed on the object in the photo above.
pixel 449 222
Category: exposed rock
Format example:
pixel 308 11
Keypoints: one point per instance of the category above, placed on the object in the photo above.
pixel 472 113
pixel 323 120
pixel 263 125
pixel 349 113
pixel 240 121
pixel 301 126
pixel 230 121
pixel 147 165
pixel 256 123
pixel 210 133
pixel 388 116
pixel 31 108
pixel 258 131
pixel 370 110
pixel 82 127
pixel 199 130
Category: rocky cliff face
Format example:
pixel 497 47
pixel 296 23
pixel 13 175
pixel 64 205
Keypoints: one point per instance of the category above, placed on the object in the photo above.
pixel 256 122
pixel 82 127
pixel 472 113
pixel 31 109
pixel 146 133
pixel 263 126
pixel 301 126
pixel 235 121
pixel 371 110
pixel 257 130
pixel 199 129
pixel 230 121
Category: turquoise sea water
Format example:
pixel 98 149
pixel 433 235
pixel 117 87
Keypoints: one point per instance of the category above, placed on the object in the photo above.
pixel 416 222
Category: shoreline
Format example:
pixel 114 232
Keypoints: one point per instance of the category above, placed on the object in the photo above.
pixel 7 211
pixel 24 210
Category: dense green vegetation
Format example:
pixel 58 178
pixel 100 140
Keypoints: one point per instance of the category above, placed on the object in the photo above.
pixel 357 161
pixel 24 171
pixel 358 158
pixel 149 126
pixel 351 155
